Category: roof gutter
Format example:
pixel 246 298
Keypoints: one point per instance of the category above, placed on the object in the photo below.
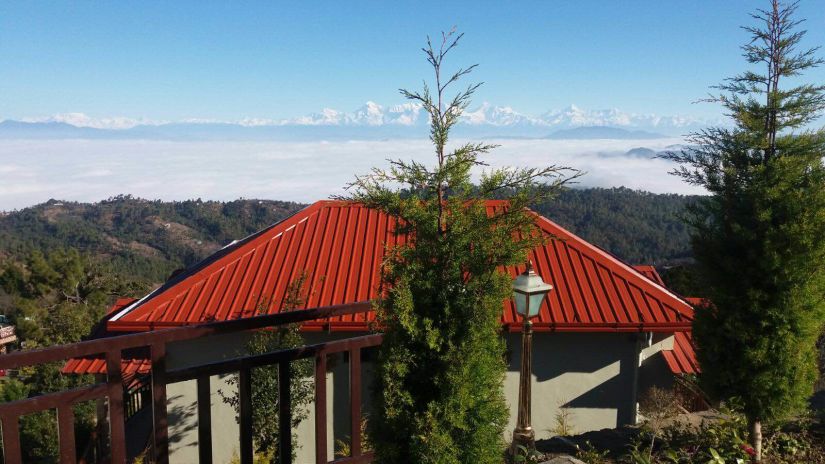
pixel 338 326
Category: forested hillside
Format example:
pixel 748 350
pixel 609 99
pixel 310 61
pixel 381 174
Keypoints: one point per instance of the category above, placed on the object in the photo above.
pixel 137 238
pixel 148 240
pixel 639 227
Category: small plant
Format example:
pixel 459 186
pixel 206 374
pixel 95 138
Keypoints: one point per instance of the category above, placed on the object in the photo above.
pixel 343 448
pixel 713 442
pixel 523 454
pixel 589 454
pixel 639 454
pixel 657 406
pixel 258 458
pixel 564 423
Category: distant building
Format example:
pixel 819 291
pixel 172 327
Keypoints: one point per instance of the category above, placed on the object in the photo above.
pixel 7 334
pixel 606 332
pixel 7 337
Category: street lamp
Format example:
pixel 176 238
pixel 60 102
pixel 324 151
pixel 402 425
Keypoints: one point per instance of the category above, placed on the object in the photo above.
pixel 528 292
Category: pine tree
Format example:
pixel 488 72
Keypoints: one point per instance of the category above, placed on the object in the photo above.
pixel 441 366
pixel 759 238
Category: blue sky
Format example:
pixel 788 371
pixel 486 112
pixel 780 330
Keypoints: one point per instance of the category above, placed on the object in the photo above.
pixel 232 60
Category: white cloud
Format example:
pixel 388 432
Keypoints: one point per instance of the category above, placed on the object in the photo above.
pixel 91 170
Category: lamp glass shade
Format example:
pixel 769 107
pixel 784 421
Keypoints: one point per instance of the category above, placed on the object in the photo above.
pixel 521 302
pixel 535 304
pixel 528 292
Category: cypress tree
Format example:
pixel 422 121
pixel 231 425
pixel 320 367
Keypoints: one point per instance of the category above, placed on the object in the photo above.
pixel 441 366
pixel 759 238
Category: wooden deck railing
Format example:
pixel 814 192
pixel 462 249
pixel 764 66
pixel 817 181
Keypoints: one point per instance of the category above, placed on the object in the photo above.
pixel 113 389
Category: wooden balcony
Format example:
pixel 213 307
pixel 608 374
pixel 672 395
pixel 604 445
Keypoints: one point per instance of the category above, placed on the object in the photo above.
pixel 112 388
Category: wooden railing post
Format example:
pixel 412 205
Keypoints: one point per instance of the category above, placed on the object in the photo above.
pixel 65 434
pixel 355 400
pixel 204 420
pixel 245 413
pixel 159 413
pixel 117 423
pixel 284 413
pixel 321 408
pixel 11 439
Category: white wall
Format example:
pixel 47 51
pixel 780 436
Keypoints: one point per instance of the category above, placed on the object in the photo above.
pixel 590 374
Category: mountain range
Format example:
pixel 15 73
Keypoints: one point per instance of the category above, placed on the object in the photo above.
pixel 371 121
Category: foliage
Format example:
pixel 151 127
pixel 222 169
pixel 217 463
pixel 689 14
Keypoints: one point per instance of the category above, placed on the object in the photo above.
pixel 721 441
pixel 53 298
pixel 265 399
pixel 686 280
pixel 135 238
pixel 639 454
pixel 441 365
pixel 523 454
pixel 716 441
pixel 257 458
pixel 759 238
pixel 343 448
pixel 564 422
pixel 657 406
pixel 639 227
pixel 591 455
pixel 132 238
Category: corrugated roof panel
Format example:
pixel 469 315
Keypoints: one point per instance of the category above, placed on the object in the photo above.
pixel 243 306
pixel 603 301
pixel 650 272
pixel 128 367
pixel 557 253
pixel 341 247
pixel 682 359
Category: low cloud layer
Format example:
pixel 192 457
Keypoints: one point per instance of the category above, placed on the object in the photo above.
pixel 32 172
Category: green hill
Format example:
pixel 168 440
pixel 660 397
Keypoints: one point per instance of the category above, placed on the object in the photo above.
pixel 135 237
pixel 150 239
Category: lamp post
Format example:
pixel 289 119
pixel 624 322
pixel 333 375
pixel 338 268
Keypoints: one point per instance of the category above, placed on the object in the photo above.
pixel 528 293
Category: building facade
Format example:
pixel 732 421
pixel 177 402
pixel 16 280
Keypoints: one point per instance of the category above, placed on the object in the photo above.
pixel 606 333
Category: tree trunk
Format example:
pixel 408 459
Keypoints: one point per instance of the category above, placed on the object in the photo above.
pixel 756 438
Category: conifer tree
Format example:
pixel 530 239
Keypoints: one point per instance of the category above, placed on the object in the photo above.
pixel 441 366
pixel 759 239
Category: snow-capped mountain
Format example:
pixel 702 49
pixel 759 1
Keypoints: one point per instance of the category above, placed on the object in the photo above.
pixel 497 116
pixel 370 114
pixel 83 120
pixel 573 116
pixel 371 120
pixel 327 117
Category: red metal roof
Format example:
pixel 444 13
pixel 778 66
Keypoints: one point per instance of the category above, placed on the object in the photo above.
pixel 650 272
pixel 682 359
pixel 131 366
pixel 97 365
pixel 341 245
